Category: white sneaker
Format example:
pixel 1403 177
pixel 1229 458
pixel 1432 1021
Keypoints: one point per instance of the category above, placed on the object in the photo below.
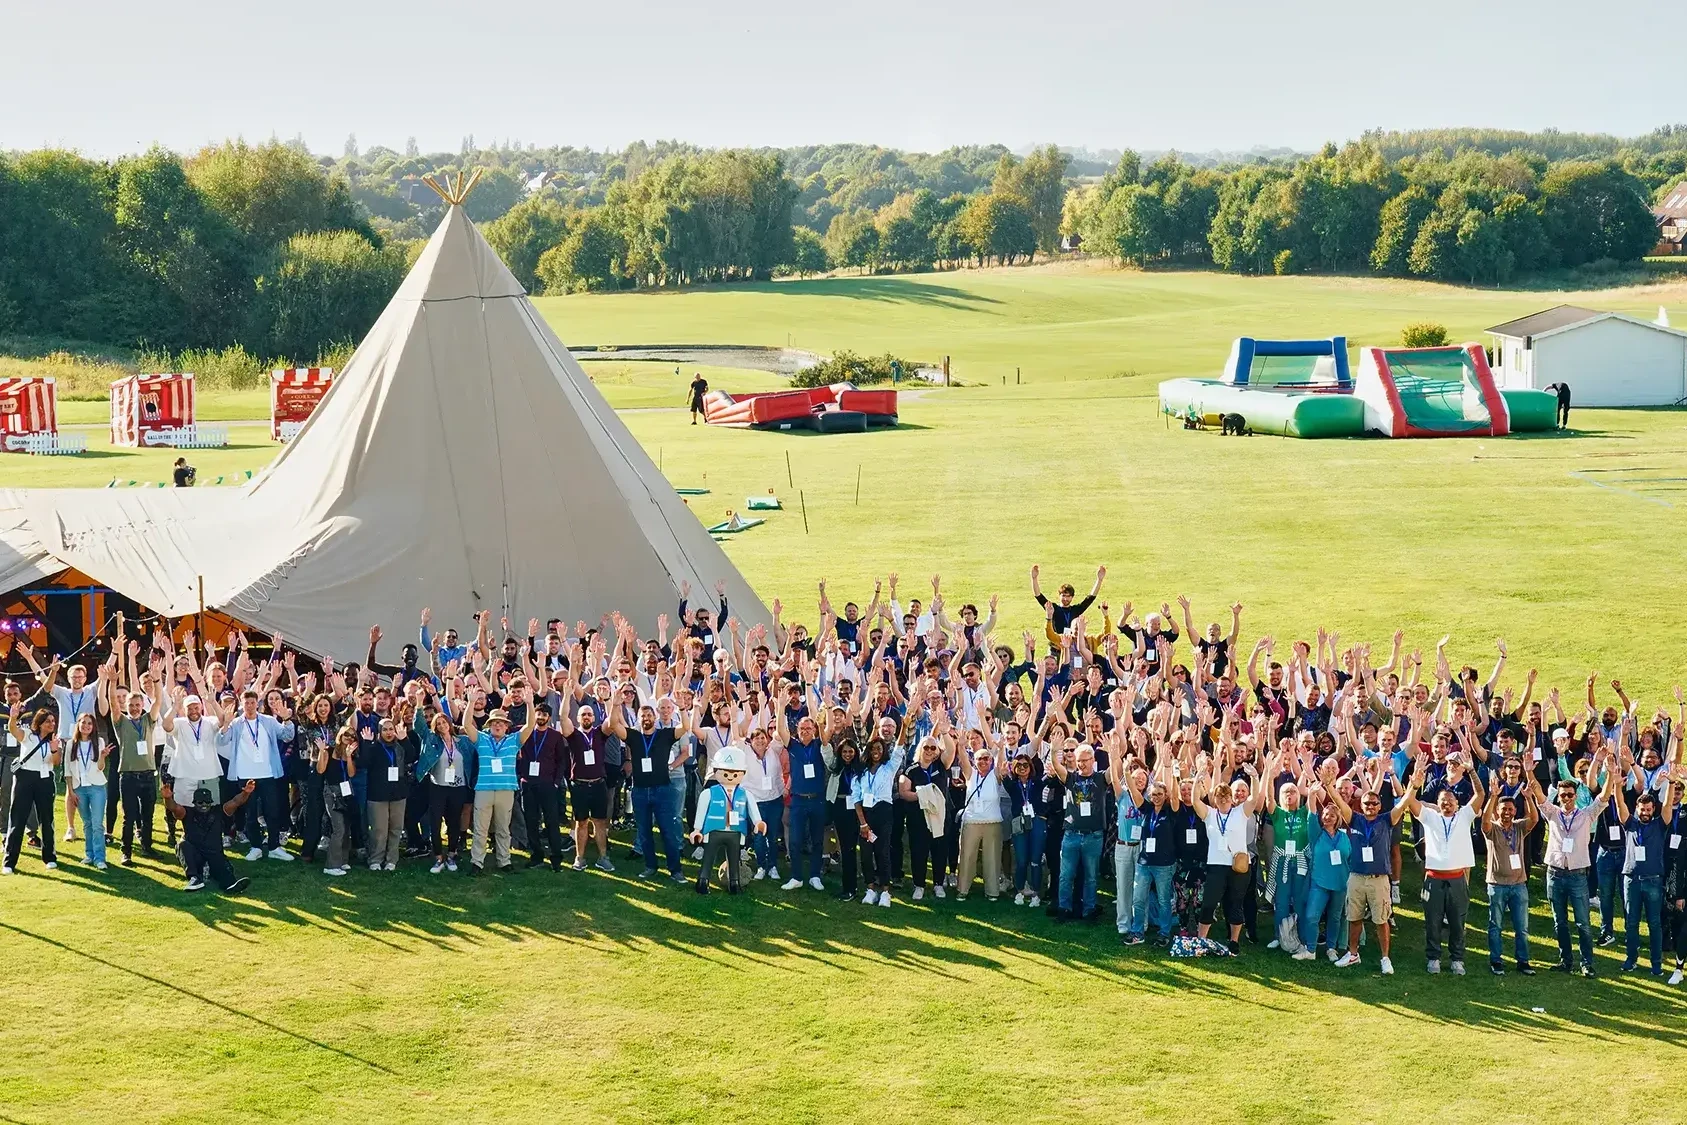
pixel 1348 960
pixel 69 835
pixel 99 865
pixel 816 883
pixel 282 854
pixel 52 865
pixel 1273 944
pixel 761 873
pixel 1304 955
pixel 1019 899
pixel 791 885
pixel 773 873
pixel 392 866
pixel 939 891
pixel 1387 967
pixel 254 855
pixel 1035 902
pixel 869 898
pixel 1674 978
pixel 334 871
pixel 436 868
pixel 7 871
pixel 919 893
pixel 374 867
pixel 884 898
pixel 1332 955
pixel 579 863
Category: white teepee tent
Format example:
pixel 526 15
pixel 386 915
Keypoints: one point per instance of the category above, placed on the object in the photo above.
pixel 461 461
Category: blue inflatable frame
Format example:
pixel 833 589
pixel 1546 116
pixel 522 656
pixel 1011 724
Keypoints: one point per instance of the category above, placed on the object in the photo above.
pixel 1245 348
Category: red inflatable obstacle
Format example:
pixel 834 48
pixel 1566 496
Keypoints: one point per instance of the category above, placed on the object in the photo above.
pixel 838 408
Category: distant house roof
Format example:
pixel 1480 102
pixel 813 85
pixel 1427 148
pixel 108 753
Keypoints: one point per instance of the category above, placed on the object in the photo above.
pixel 1674 205
pixel 1559 316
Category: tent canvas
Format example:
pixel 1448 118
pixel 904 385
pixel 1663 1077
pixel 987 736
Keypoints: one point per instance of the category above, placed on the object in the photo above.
pixel 460 461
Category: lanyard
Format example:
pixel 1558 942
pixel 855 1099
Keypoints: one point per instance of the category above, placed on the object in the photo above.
pixel 75 708
pixel 140 732
pixel 1223 820
pixel 1446 830
pixel 85 753
pixel 1154 820
pixel 649 744
pixel 1510 835
pixel 252 729
pixel 196 726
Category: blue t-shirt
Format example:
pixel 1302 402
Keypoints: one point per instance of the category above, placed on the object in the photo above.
pixel 1375 835
pixel 1325 849
pixel 1649 839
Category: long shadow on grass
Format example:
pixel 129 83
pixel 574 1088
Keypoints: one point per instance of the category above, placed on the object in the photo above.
pixel 901 291
pixel 807 936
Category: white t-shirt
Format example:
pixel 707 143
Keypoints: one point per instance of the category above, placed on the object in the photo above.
pixel 196 756
pixel 35 755
pixel 1446 840
pixel 82 764
pixel 1227 834
pixel 984 799
pixel 763 779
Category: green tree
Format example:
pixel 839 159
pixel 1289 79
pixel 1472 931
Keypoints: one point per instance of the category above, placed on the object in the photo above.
pixel 998 227
pixel 1434 250
pixel 320 290
pixel 587 260
pixel 271 192
pixel 525 232
pixel 1593 210
pixel 494 194
pixel 1525 235
pixel 808 253
pixel 1397 229
pixel 1130 226
pixel 57 272
pixel 1483 255
pixel 1039 184
pixel 903 242
pixel 1423 334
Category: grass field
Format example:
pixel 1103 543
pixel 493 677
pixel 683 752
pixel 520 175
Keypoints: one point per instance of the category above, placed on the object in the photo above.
pixel 409 998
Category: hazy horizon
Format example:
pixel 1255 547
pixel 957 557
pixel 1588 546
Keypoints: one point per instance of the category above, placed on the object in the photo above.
pixel 185 73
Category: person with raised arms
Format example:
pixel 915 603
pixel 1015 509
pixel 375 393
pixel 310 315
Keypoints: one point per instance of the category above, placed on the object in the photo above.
pixel 1448 856
pixel 1226 807
pixel 1371 835
pixel 1507 836
pixel 1645 836
pixel 496 748
pixel 1568 827
pixel 39 754
pixel 655 806
pixel 253 744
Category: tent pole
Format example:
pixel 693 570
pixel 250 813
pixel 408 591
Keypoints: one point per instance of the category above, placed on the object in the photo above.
pixel 199 622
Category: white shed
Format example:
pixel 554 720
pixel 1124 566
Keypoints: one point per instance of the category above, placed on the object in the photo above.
pixel 1607 359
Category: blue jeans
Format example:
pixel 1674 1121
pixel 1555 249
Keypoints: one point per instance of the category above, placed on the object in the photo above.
pixel 766 844
pixel 1510 899
pixel 1643 897
pixel 1568 891
pixel 90 804
pixel 1156 880
pixel 1073 847
pixel 808 835
pixel 1609 871
pixel 654 810
pixel 1028 857
pixel 1288 888
pixel 1329 907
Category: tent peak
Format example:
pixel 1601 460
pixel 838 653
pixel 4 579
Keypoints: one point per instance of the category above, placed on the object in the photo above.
pixel 456 188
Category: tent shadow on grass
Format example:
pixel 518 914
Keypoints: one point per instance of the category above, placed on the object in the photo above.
pixel 944 940
pixel 901 291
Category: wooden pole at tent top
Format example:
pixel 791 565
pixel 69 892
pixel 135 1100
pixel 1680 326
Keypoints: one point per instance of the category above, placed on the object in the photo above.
pixel 199 622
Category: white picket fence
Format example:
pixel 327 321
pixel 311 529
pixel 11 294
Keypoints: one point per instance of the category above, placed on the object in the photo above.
pixel 47 444
pixel 200 435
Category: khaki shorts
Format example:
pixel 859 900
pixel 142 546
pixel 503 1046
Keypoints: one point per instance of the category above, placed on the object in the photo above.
pixel 1367 891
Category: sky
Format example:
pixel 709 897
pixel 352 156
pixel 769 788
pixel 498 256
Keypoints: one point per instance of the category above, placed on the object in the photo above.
pixel 112 78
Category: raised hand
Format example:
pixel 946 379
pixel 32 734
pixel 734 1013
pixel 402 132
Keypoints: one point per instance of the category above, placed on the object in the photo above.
pixel 374 634
pixel 720 588
pixel 427 616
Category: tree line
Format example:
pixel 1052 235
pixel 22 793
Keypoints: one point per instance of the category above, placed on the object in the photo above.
pixel 290 254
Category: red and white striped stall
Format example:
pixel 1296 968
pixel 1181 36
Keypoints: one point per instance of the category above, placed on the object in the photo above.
pixel 293 395
pixel 151 409
pixel 28 405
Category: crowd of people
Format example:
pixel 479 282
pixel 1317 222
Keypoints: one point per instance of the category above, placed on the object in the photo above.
pixel 892 752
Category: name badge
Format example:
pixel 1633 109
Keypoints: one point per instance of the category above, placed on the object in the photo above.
pixel 644 764
pixel 1640 853
pixel 1534 755
pixel 1025 809
pixel 532 769
pixel 1189 835
pixel 1288 847
pixel 1367 854
pixel 1136 832
pixel 141 751
pixel 1615 833
pixel 731 818
pixel 1083 808
pixel 1674 840
pixel 808 771
pixel 1335 859
pixel 589 758
pixel 1148 845
pixel 496 764
pixel 392 773
pixel 1516 862
pixel 345 788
